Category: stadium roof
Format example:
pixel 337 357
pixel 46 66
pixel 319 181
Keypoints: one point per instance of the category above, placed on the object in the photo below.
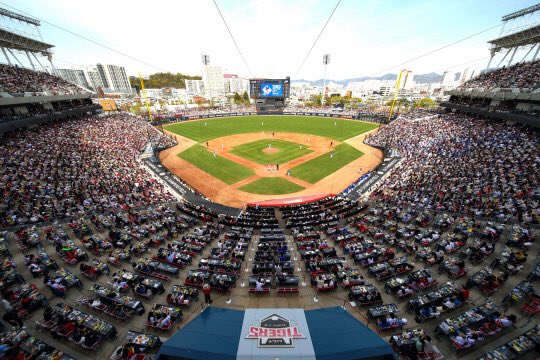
pixel 15 41
pixel 528 36
pixel 26 19
pixel 521 12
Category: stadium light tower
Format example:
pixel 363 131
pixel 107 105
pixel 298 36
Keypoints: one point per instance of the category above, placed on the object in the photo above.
pixel 326 61
pixel 21 34
pixel 206 59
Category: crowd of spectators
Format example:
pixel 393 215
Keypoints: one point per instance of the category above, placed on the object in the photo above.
pixel 523 75
pixel 457 163
pixel 322 110
pixel 17 81
pixel 222 110
pixel 73 167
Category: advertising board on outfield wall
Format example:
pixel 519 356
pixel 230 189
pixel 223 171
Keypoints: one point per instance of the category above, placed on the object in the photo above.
pixel 211 116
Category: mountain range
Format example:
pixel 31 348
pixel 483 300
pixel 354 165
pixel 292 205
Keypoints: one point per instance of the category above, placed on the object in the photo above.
pixel 430 78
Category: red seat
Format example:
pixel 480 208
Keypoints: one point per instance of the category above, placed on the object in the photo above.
pixel 47 324
pixel 160 276
pixel 530 309
pixel 460 273
pixel 263 291
pixel 166 328
pixel 459 347
pixel 288 290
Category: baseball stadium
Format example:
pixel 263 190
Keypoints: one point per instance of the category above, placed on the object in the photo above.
pixel 165 216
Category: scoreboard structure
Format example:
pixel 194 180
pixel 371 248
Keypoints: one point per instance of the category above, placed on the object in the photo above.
pixel 270 94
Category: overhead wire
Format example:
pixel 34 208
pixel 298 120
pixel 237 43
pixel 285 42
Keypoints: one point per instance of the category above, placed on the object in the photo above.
pixel 233 39
pixel 83 37
pixel 437 50
pixel 317 39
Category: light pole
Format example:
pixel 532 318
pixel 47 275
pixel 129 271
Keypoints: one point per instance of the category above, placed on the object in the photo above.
pixel 326 61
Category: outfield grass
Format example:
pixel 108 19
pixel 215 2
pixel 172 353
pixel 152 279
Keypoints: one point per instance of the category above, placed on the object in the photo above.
pixel 271 186
pixel 206 129
pixel 224 169
pixel 286 151
pixel 322 166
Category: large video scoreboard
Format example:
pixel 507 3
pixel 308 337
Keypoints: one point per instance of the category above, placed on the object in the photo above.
pixel 269 88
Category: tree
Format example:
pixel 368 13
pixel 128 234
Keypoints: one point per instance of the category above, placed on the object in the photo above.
pixel 245 98
pixel 199 100
pixel 355 102
pixel 317 100
pixel 403 102
pixel 237 99
pixel 161 80
pixel 336 100
pixel 136 108
pixel 425 103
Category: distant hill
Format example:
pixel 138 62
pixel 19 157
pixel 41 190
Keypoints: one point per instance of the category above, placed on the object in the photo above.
pixel 420 78
pixel 161 80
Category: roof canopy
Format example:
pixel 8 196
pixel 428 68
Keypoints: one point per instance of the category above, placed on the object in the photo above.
pixel 347 338
pixel 528 36
pixel 212 335
pixel 15 41
pixel 327 334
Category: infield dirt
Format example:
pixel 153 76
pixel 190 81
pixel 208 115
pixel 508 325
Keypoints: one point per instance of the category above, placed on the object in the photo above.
pixel 220 192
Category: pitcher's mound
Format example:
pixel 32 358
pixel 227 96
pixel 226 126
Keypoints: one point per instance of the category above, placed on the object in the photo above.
pixel 270 150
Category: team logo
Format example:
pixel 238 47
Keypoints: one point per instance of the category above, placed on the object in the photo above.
pixel 274 331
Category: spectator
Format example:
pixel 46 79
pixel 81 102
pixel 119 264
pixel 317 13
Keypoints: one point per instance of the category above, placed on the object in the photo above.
pixel 207 290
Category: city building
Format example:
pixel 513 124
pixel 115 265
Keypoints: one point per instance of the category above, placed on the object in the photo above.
pixel 212 77
pixel 153 93
pixel 386 90
pixel 196 87
pixel 111 78
pixel 74 76
pixel 234 84
pixel 407 80
pixel 448 78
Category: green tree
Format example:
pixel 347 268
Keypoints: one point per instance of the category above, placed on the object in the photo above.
pixel 426 103
pixel 336 100
pixel 245 98
pixel 161 80
pixel 403 102
pixel 237 99
pixel 316 100
pixel 355 102
pixel 136 108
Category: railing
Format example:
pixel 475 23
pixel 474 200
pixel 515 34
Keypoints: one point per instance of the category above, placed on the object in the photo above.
pixel 36 120
pixel 525 119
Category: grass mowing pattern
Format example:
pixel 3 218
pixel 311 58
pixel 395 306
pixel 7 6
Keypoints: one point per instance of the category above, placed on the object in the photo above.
pixel 253 151
pixel 224 169
pixel 322 166
pixel 215 128
pixel 271 186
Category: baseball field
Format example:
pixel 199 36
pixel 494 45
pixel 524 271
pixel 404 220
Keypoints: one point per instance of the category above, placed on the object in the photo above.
pixel 238 159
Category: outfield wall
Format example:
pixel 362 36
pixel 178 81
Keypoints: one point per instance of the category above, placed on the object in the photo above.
pixel 211 116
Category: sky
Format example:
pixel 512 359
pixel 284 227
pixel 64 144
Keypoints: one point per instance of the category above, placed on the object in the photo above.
pixel 364 38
